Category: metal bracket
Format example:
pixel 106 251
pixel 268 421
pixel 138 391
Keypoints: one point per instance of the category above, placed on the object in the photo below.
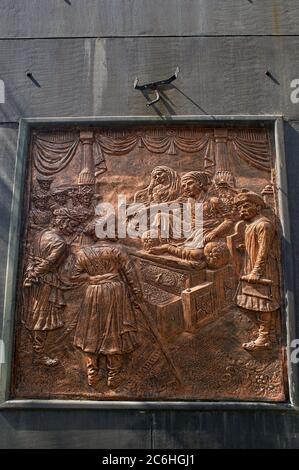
pixel 155 86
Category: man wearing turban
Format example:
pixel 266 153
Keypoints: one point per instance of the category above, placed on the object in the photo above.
pixel 258 290
pixel 43 287
pixel 216 223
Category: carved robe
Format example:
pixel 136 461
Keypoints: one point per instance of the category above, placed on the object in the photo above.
pixel 216 217
pixel 44 299
pixel 107 320
pixel 39 218
pixel 86 232
pixel 261 256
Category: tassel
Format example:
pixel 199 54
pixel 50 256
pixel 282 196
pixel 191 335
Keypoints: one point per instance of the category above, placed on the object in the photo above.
pixel 172 149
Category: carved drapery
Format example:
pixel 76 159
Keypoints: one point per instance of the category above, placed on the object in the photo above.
pixel 122 145
pixel 54 153
pixel 254 152
pixel 249 145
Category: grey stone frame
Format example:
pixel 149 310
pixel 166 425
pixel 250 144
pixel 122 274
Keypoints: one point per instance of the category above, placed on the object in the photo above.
pixel 276 124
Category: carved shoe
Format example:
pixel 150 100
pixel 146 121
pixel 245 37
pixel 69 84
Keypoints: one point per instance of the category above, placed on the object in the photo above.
pixel 93 377
pixel 46 361
pixel 263 339
pixel 257 344
pixel 115 380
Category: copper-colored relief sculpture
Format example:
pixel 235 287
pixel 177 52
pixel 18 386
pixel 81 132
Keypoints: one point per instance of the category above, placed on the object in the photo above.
pixel 154 315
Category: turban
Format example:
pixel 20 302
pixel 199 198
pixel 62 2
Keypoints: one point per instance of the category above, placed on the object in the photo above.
pixel 249 196
pixel 69 214
pixel 201 177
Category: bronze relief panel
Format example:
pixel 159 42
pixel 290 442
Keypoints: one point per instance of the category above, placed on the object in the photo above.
pixel 150 266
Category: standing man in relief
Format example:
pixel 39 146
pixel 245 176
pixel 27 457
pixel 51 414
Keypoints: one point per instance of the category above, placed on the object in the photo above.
pixel 107 323
pixel 43 287
pixel 258 290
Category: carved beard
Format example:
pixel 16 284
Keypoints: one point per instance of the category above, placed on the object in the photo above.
pixel 227 198
pixel 158 192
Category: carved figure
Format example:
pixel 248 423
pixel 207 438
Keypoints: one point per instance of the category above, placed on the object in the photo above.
pixel 148 242
pixel 40 215
pixel 217 220
pixel 43 288
pixel 107 321
pixel 59 197
pixel 164 186
pixel 82 198
pixel 258 290
pixel 195 184
pixel 44 185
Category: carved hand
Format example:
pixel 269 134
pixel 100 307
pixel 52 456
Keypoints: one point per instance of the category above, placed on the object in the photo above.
pixel 208 238
pixel 158 249
pixel 30 279
pixel 27 282
pixel 252 277
pixel 241 247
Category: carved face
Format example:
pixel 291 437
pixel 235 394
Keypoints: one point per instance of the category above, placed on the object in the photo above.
pixel 191 187
pixel 65 225
pixel 148 242
pixel 216 254
pixel 45 185
pixel 41 203
pixel 222 183
pixel 160 177
pixel 86 199
pixel 60 198
pixel 248 210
